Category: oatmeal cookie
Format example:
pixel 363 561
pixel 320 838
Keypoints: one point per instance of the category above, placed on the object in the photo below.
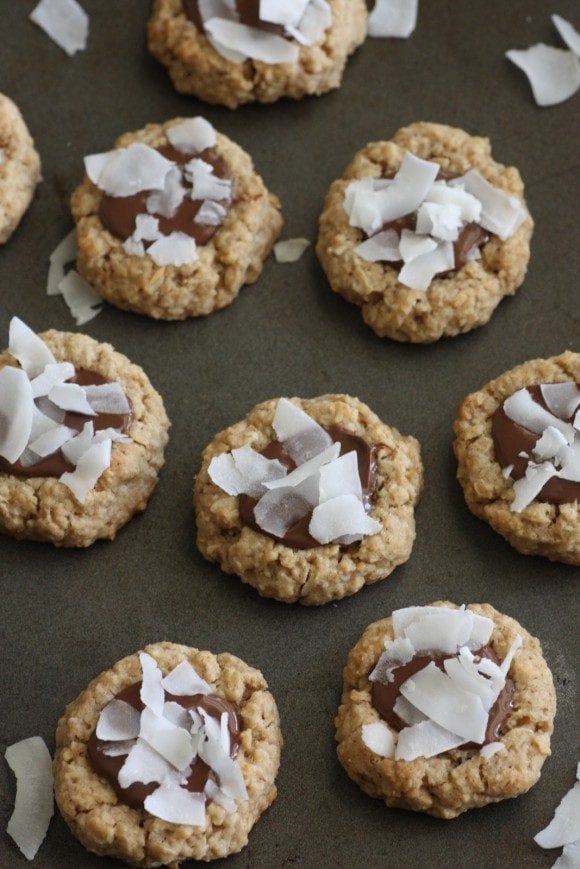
pixel 19 168
pixel 455 302
pixel 233 256
pixel 43 508
pixel 319 573
pixel 197 68
pixel 550 526
pixel 106 825
pixel 462 778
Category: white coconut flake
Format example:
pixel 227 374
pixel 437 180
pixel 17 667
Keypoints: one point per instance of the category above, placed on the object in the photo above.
pixel 144 765
pixel 408 189
pixel 176 249
pixel 152 693
pixel 78 446
pixel 164 202
pixel 65 21
pixel 529 487
pixel 107 398
pixel 507 661
pixel 63 254
pixel 183 681
pixel 176 714
pixel 418 273
pixel 83 301
pixel 282 12
pixel 491 749
pixel 382 247
pixel 71 397
pixel 501 213
pixel 290 250
pixel 205 183
pixel 451 194
pixel 176 805
pixel 16 412
pixel 211 213
pixel 31 763
pixel 256 470
pixel 51 441
pixel 126 171
pixel 407 712
pixel 562 399
pixel 54 372
pixel 171 742
pixel 549 445
pixel 465 675
pixel 118 721
pixel 442 629
pixel 393 18
pixel 378 737
pixel 340 477
pixel 339 517
pixel 397 652
pixel 118 749
pixel 192 136
pixel 277 511
pixel 228 771
pixel 306 470
pixel 413 245
pixel 570 857
pixel 216 795
pixel 523 410
pixel 250 42
pixel 553 73
pixel 222 471
pixel 564 828
pixel 90 466
pixel 440 221
pixel 568 33
pixel 27 348
pixel 506 472
pixel 426 739
pixel 301 436
pixel 315 21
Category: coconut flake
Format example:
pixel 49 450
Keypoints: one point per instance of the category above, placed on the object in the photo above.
pixel 27 348
pixel 418 273
pixel 71 397
pixel 83 301
pixel 382 247
pixel 65 22
pixel 78 446
pixel 205 183
pixel 413 245
pixel 256 470
pixel 54 372
pixel 184 681
pixel 523 410
pixel 501 213
pixel 507 661
pixel 306 470
pixel 31 763
pixel 175 249
pixel 290 250
pixel 407 712
pixel 107 398
pixel 216 795
pixel 315 21
pixel 90 466
pixel 393 18
pixel 250 42
pixel 65 252
pixel 529 487
pixel 506 472
pixel 397 652
pixel 51 441
pixel 16 411
pixel 282 12
pixel 570 857
pixel 152 694
pixel 408 189
pixel 228 771
pixel 164 202
pixel 339 517
pixel 176 805
pixel 549 445
pixel 118 749
pixel 301 436
pixel 340 477
pixel 118 721
pixel 127 171
pixel 277 511
pixel 442 629
pixel 452 194
pixel 379 739
pixel 562 399
pixel 425 739
pixel 464 673
pixel 192 136
pixel 564 828
pixel 440 221
pixel 177 715
pixel 211 213
pixel 171 742
pixel 492 748
pixel 568 33
pixel 553 73
pixel 144 765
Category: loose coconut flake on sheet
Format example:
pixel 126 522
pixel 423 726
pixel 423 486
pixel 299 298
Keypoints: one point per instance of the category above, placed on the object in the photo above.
pixel 394 18
pixel 34 805
pixel 290 250
pixel 82 300
pixel 564 829
pixel 65 21
pixel 553 73
pixel 443 709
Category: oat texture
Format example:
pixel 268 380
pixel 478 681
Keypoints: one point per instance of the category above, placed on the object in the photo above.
pixel 233 257
pixel 108 827
pixel 42 508
pixel 461 301
pixel 196 67
pixel 449 784
pixel 552 530
pixel 19 168
pixel 324 573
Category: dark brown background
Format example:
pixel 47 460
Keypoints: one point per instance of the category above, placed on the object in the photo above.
pixel 67 615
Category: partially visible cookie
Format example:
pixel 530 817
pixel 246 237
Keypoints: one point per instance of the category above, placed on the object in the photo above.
pixel 426 233
pixel 82 438
pixel 445 660
pixel 19 168
pixel 174 221
pixel 262 61
pixel 126 764
pixel 517 449
pixel 308 500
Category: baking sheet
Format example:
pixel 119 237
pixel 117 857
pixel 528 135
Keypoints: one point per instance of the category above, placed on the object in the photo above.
pixel 67 615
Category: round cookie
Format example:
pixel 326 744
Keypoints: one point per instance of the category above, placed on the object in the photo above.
pixel 453 303
pixel 542 528
pixel 197 68
pixel 459 779
pixel 104 824
pixel 19 168
pixel 232 257
pixel 323 573
pixel 43 508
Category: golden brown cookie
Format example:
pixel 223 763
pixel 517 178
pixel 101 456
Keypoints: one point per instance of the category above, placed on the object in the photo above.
pixel 43 508
pixel 19 168
pixel 108 826
pixel 454 302
pixel 462 778
pixel 321 573
pixel 197 68
pixel 542 528
pixel 234 255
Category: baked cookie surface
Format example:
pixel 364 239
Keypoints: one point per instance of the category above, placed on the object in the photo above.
pixel 19 168
pixel 233 256
pixel 108 826
pixel 320 573
pixel 45 509
pixel 453 303
pixel 542 527
pixel 197 68
pixel 454 781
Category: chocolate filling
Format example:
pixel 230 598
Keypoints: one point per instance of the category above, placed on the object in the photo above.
pixel 297 537
pixel 248 13
pixel 511 439
pixel 135 795
pixel 55 464
pixel 118 214
pixel 384 696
